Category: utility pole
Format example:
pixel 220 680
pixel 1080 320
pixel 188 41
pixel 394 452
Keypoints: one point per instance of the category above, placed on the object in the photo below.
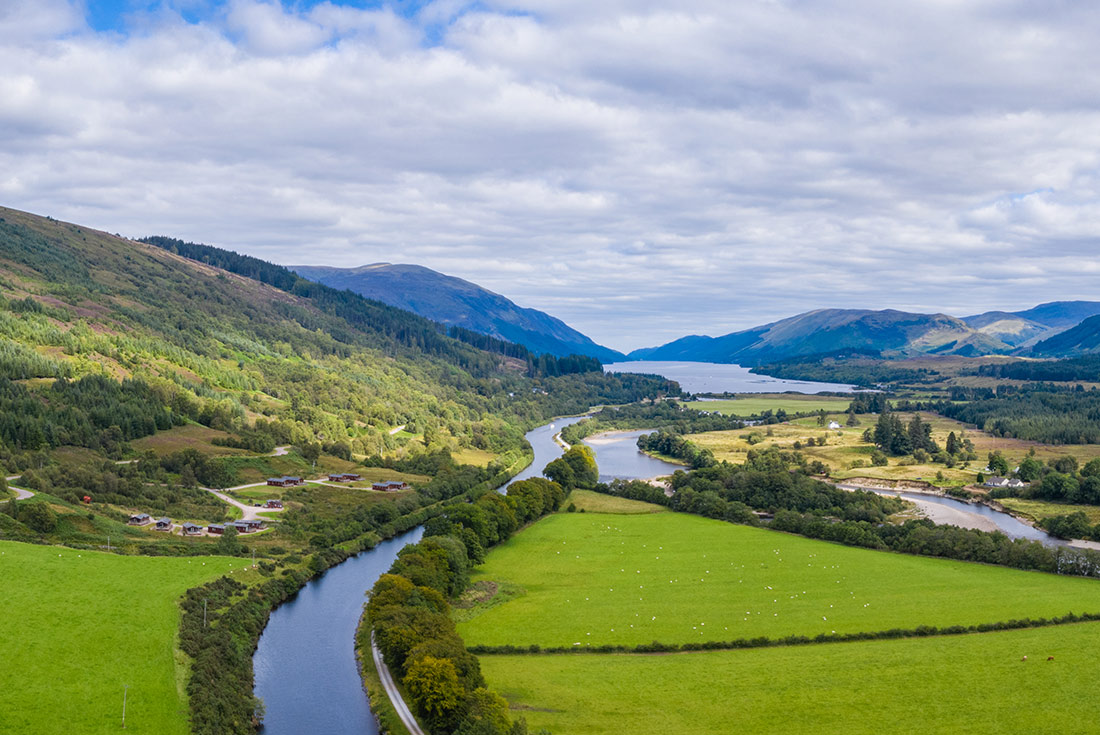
pixel 124 691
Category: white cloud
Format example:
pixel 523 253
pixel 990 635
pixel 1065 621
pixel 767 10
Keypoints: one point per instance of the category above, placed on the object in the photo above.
pixel 640 171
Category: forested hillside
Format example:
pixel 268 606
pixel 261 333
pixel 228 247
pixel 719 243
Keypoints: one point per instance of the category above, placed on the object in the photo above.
pixel 105 340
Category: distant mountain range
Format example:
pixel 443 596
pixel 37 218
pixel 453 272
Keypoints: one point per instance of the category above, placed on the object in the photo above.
pixel 453 301
pixel 1059 328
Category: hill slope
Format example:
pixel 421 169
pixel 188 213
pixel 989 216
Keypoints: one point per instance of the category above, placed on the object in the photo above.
pixel 829 330
pixel 1081 339
pixel 454 301
pixel 146 340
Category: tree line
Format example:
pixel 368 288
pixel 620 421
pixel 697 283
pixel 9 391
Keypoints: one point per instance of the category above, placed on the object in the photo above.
pixel 409 613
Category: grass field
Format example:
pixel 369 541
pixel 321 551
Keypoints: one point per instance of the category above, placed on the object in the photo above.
pixel 630 579
pixel 754 404
pixel 476 457
pixel 845 446
pixel 591 502
pixel 958 684
pixel 79 626
pixel 1037 510
pixel 190 436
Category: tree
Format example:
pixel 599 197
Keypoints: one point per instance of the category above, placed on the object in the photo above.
pixel 821 417
pixel 562 473
pixel 1030 470
pixel 954 446
pixel 38 517
pixel 879 459
pixel 486 714
pixel 1091 469
pixel 997 463
pixel 852 420
pixel 583 461
pixel 433 684
pixel 228 544
pixel 311 451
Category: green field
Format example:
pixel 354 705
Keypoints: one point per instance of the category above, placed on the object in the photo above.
pixel 953 684
pixel 594 579
pixel 593 502
pixel 754 404
pixel 80 625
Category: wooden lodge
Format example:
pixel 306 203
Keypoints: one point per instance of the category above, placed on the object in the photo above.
pixel 192 529
pixel 164 524
pixel 391 486
pixel 344 477
pixel 273 503
pixel 287 481
pixel 216 529
pixel 140 519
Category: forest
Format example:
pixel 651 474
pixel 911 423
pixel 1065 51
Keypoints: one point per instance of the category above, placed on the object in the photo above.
pixel 1085 368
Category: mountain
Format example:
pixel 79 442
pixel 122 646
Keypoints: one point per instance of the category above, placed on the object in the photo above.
pixel 1010 328
pixel 1061 313
pixel 829 330
pixel 1081 339
pixel 453 301
pixel 105 340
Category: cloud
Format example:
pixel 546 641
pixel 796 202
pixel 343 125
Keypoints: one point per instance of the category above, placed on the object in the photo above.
pixel 639 169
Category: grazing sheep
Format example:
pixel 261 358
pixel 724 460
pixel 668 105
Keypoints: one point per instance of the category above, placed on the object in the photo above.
pixel 1024 658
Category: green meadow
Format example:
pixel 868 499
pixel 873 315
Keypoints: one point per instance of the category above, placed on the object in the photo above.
pixel 78 626
pixel 593 579
pixel 755 404
pixel 953 684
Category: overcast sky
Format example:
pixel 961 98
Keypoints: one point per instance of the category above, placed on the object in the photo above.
pixel 640 169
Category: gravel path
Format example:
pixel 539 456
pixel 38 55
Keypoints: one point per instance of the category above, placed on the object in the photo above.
pixel 391 690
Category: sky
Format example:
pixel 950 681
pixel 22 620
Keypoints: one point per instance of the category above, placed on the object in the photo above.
pixel 642 170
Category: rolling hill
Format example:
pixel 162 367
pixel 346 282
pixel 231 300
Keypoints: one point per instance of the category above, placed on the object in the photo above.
pixel 1083 338
pixel 454 301
pixel 829 330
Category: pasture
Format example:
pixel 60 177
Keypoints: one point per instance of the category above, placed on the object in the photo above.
pixel 81 625
pixel 593 502
pixel 847 455
pixel 754 404
pixel 593 579
pixel 952 684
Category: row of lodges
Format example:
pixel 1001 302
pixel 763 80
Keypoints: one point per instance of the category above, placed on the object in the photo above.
pixel 194 529
pixel 286 481
pixel 217 529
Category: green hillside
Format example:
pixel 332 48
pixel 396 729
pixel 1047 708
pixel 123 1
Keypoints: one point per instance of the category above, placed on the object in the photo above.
pixel 105 340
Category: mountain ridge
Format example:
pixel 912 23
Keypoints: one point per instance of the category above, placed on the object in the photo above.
pixel 455 301
pixel 889 331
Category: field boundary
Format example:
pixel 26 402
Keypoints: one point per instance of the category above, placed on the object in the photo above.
pixel 923 631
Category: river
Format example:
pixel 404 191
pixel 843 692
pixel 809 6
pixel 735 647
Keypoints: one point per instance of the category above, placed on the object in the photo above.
pixel 712 377
pixel 305 665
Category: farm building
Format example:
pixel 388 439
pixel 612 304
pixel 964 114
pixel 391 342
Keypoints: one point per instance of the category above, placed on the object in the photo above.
pixel 834 425
pixel 273 503
pixel 192 529
pixel 390 486
pixel 286 481
pixel 344 477
pixel 140 519
pixel 217 529
pixel 164 524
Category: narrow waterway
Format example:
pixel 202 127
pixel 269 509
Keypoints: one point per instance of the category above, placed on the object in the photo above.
pixel 305 666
